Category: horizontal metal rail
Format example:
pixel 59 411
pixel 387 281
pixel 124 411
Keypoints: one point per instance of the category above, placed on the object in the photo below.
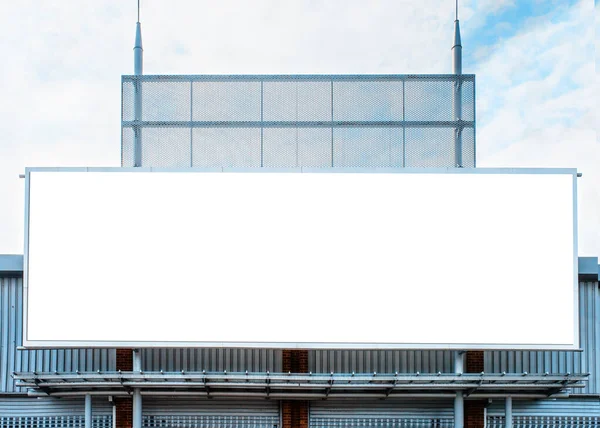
pixel 299 124
pixel 298 77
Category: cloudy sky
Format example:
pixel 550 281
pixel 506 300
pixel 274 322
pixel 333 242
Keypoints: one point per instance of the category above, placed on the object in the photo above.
pixel 534 61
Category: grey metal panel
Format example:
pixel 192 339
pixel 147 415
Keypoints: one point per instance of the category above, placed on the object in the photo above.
pixel 156 406
pixel 211 359
pixel 27 406
pixel 549 407
pixel 368 361
pixel 13 360
pixel 406 408
pixel 587 361
pixel 11 263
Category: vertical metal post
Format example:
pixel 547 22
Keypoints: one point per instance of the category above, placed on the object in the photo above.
pixel 403 122
pixel 191 120
pixel 262 126
pixel 138 52
pixel 137 408
pixel 459 401
pixel 459 362
pixel 137 360
pixel 137 395
pixel 508 419
pixel 332 123
pixel 457 94
pixel 459 410
pixel 88 411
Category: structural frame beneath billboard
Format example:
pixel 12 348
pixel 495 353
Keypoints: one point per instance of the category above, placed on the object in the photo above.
pixel 43 344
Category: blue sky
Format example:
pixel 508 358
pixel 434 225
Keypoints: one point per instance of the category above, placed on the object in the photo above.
pixel 534 62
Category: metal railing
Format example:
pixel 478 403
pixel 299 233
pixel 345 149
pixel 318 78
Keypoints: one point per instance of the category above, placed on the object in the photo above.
pixel 53 422
pixel 209 421
pixel 319 121
pixel 381 422
pixel 546 422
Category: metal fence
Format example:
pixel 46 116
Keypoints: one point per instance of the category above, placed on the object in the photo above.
pixel 382 423
pixel 210 421
pixel 53 422
pixel 546 422
pixel 317 121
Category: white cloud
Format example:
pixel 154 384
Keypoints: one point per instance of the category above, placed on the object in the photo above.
pixel 537 99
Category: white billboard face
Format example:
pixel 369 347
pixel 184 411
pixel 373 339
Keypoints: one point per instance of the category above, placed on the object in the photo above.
pixel 472 259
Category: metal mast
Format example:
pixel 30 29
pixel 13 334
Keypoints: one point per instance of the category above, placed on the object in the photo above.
pixel 457 94
pixel 138 66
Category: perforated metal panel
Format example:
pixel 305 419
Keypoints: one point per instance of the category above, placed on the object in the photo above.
pixel 298 121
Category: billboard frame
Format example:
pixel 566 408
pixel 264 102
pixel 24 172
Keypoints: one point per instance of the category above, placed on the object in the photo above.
pixel 38 344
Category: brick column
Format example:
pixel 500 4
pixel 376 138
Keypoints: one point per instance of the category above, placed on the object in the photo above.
pixel 295 360
pixel 474 409
pixel 124 405
pixel 474 362
pixel 474 413
pixel 294 414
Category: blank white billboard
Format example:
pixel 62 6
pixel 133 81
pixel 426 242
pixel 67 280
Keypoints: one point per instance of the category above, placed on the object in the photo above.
pixel 453 259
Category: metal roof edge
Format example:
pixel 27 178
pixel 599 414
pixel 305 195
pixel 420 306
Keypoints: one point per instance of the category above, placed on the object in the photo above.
pixel 11 264
pixel 589 268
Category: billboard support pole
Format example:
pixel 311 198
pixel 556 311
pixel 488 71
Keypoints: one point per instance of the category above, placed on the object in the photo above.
pixel 457 92
pixel 137 394
pixel 138 67
pixel 88 411
pixel 459 402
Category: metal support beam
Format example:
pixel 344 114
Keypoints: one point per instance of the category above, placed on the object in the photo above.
pixel 88 411
pixel 459 410
pixel 137 408
pixel 508 412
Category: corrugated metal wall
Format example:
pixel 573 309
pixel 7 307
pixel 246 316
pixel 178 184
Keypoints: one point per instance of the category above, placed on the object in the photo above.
pixel 28 406
pixel 368 361
pixel 194 359
pixel 587 361
pixel 548 407
pixel 11 327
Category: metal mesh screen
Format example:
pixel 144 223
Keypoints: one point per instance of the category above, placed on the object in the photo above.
pixel 298 121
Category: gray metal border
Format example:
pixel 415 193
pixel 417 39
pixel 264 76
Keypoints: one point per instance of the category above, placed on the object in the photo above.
pixel 305 345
